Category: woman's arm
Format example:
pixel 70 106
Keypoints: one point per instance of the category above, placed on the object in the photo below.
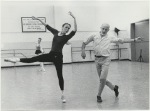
pixel 42 50
pixel 52 30
pixel 35 18
pixel 75 23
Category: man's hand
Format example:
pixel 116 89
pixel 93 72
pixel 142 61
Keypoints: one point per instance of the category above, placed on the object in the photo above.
pixel 139 39
pixel 120 41
pixel 70 13
pixel 83 54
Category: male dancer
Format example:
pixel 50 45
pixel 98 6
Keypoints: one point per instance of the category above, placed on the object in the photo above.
pixel 102 56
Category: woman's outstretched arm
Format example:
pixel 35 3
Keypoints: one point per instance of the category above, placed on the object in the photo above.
pixel 35 18
pixel 75 23
pixel 52 30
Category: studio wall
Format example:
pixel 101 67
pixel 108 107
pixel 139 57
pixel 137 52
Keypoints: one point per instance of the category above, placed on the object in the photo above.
pixel 89 16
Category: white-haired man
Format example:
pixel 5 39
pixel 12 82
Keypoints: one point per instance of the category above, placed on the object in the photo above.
pixel 101 44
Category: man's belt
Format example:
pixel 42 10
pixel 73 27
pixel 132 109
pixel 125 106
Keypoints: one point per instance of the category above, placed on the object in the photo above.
pixel 99 56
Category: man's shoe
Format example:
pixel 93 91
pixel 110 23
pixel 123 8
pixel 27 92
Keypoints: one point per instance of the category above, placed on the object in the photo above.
pixel 63 99
pixel 99 99
pixel 116 90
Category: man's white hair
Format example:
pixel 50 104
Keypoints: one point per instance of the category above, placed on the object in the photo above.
pixel 105 25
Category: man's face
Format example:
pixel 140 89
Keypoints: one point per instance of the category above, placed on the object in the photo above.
pixel 65 28
pixel 104 30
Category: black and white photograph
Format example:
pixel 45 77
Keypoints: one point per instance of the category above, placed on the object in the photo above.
pixel 74 55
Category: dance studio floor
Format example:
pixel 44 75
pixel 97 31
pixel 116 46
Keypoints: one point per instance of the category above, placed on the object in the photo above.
pixel 25 88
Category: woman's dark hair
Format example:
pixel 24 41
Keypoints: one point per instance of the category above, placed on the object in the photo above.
pixel 65 24
pixel 40 38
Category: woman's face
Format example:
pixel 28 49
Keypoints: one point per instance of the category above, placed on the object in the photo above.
pixel 39 40
pixel 65 28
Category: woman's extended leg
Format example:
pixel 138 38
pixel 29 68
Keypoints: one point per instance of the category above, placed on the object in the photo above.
pixel 40 58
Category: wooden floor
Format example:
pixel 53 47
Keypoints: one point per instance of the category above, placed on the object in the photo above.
pixel 25 88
